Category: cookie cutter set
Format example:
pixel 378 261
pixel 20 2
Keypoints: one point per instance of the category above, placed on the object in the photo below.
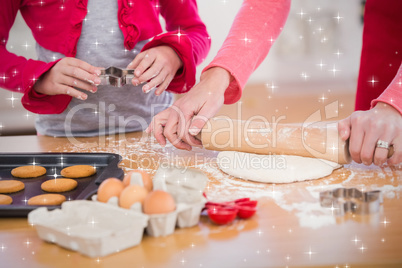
pixel 98 229
pixel 345 200
pixel 116 77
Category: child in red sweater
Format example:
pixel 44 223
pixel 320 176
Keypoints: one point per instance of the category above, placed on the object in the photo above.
pixel 76 38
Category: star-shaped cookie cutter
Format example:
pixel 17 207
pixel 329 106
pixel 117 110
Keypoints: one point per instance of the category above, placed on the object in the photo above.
pixel 115 76
pixel 344 200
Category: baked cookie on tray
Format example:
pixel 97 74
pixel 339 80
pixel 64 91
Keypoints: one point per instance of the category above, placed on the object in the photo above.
pixel 59 185
pixel 28 172
pixel 46 200
pixel 5 199
pixel 11 186
pixel 78 171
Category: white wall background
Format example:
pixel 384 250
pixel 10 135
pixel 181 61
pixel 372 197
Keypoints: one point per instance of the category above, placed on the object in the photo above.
pixel 313 34
pixel 321 42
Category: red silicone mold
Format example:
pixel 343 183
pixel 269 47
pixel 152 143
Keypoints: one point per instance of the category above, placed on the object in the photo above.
pixel 226 212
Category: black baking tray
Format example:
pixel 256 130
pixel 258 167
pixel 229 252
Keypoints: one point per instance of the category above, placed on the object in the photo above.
pixel 106 166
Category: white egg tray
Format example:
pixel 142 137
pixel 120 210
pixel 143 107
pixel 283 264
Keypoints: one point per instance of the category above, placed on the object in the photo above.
pixel 98 229
pixel 92 228
pixel 186 185
pixel 185 215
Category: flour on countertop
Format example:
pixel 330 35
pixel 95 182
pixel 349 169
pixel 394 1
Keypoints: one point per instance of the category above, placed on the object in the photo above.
pixel 231 188
pixel 311 215
pixel 223 187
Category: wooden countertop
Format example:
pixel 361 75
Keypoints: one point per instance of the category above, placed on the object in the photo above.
pixel 290 228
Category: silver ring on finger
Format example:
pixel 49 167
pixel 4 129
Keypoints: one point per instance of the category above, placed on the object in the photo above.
pixel 382 144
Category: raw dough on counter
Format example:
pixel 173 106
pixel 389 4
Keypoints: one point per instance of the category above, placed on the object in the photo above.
pixel 274 168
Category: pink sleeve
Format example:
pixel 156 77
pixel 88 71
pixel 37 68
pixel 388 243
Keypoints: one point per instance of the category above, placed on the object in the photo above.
pixel 392 95
pixel 256 26
pixel 19 74
pixel 188 36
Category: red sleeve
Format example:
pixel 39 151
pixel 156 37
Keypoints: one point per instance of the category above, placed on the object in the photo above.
pixel 256 26
pixel 19 74
pixel 187 35
pixel 392 95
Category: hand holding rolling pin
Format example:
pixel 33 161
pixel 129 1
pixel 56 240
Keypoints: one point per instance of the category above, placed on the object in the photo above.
pixel 333 141
pixel 371 133
pixel 188 115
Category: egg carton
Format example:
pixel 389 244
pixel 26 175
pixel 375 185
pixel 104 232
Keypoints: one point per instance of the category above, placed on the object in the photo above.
pixel 98 229
pixel 186 185
pixel 185 215
pixel 94 229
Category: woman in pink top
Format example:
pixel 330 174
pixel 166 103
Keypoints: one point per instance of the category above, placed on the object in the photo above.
pixel 223 80
pixel 370 132
pixel 377 122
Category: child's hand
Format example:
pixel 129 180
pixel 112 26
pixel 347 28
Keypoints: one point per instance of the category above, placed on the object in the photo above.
pixel 66 75
pixel 181 122
pixel 159 65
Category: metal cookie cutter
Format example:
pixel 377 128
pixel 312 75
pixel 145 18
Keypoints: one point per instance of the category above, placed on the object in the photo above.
pixel 345 200
pixel 115 76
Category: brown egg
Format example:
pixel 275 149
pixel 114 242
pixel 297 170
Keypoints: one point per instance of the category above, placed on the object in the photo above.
pixel 132 194
pixel 109 188
pixel 146 179
pixel 158 202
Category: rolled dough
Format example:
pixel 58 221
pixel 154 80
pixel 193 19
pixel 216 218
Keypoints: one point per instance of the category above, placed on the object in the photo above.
pixel 274 168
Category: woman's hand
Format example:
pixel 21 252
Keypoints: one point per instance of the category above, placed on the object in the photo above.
pixel 66 75
pixel 365 128
pixel 187 116
pixel 157 65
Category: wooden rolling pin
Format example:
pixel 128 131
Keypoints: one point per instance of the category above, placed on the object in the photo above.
pixel 318 140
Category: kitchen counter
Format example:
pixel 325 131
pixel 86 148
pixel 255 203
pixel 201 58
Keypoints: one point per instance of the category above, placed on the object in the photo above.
pixel 290 228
